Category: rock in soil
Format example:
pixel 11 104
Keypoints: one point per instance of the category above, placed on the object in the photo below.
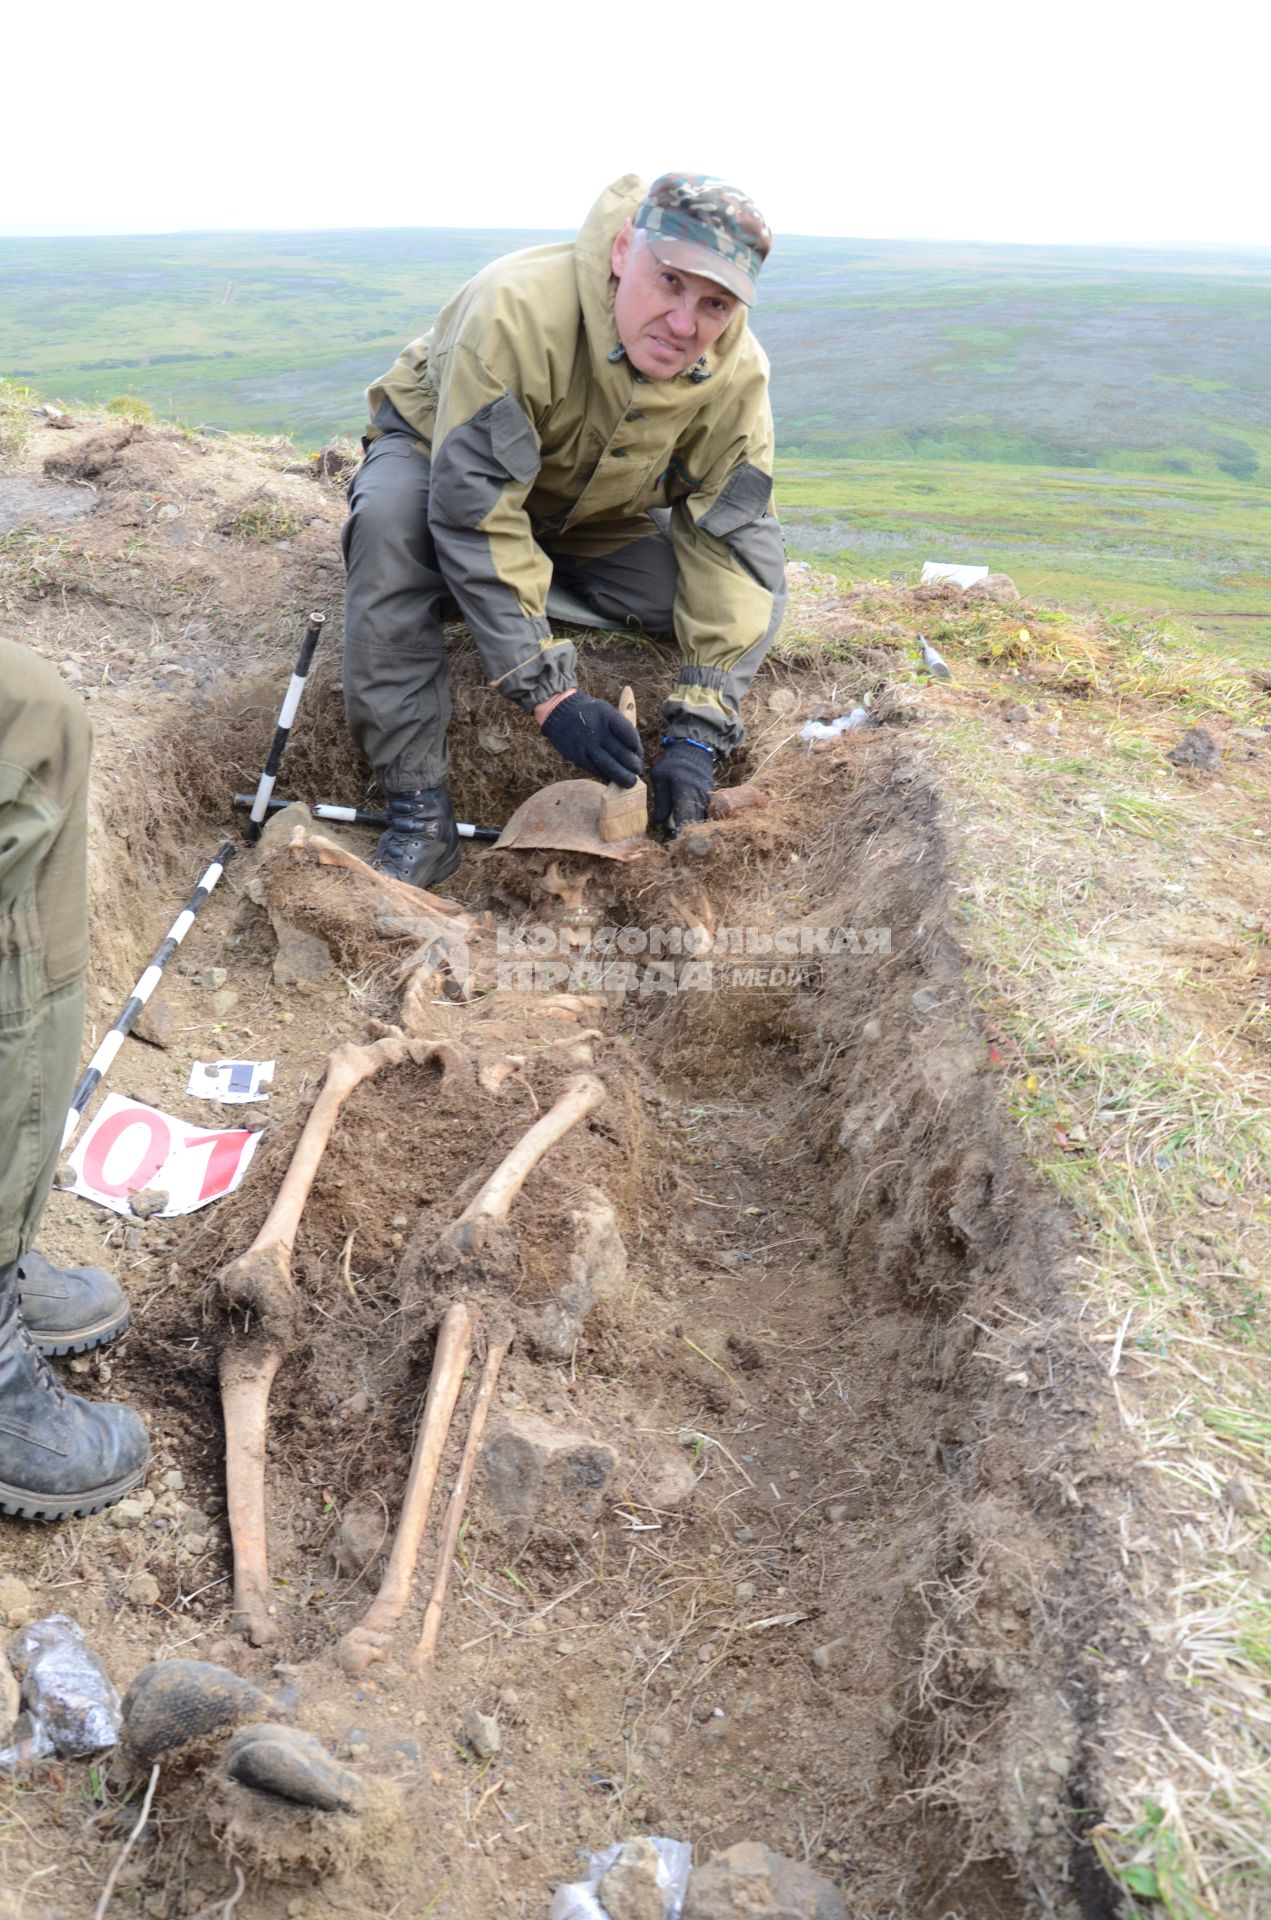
pixel 536 1475
pixel 1197 748
pixel 481 1731
pixel 630 1890
pixel 17 1605
pixel 750 1882
pixel 147 1202
pixel 156 1023
pixel 10 1701
pixel 301 957
pixel 358 1540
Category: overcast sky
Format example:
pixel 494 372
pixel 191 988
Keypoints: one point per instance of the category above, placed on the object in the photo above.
pixel 1118 121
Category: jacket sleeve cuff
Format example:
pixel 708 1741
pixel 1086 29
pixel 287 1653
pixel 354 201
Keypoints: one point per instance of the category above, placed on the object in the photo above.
pixel 551 671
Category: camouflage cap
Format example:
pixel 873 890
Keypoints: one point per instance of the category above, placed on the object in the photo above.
pixel 705 226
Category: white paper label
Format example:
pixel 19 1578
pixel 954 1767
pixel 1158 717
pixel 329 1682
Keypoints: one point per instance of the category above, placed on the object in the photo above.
pixel 130 1148
pixel 230 1080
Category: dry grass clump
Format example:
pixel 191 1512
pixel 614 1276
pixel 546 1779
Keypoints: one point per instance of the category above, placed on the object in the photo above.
pixel 1112 908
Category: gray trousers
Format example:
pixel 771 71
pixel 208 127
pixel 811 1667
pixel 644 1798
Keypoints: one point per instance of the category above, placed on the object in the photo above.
pixel 396 674
pixel 44 752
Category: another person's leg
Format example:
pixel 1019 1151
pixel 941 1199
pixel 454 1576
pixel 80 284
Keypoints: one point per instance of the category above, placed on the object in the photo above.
pixel 58 1454
pixel 396 675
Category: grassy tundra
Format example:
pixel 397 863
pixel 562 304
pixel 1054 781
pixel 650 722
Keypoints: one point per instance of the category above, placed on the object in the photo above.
pixel 1096 422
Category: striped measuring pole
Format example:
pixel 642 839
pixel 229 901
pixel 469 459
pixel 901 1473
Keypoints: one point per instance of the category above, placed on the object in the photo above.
pixel 362 817
pixel 100 1064
pixel 277 747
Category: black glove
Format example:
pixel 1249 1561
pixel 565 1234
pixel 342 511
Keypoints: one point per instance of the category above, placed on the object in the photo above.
pixel 683 778
pixel 593 735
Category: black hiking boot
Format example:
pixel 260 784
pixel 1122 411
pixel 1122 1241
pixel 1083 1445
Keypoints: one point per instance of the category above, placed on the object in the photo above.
pixel 70 1309
pixel 421 844
pixel 59 1455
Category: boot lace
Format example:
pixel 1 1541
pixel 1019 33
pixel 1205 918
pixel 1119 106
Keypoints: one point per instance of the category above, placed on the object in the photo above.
pixel 44 1372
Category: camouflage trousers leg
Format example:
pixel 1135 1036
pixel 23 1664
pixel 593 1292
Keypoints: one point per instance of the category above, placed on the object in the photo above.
pixel 633 585
pixel 396 674
pixel 45 744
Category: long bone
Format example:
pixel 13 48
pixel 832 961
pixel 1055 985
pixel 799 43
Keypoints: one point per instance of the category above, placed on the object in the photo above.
pixel 259 1283
pixel 495 1354
pixel 365 1643
pixel 490 1207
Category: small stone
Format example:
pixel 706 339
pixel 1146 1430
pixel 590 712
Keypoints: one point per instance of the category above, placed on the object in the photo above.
pixel 143 1590
pixel 871 1031
pixel 195 1522
pixel 481 1731
pixel 65 1177
pixel 924 1000
pixel 10 1701
pixel 301 958
pixel 126 1514
pixel 784 700
pixel 1240 1496
pixel 744 1590
pixel 224 1001
pixel 1016 716
pixel 359 1540
pixel 213 978
pixel 358 1405
pixel 630 1890
pixel 146 1203
pixel 156 1023
pixel 17 1604
pixel 1197 748
pixel 537 1475
pixel 751 1880
pixel 1209 1195
pixel 174 1480
pixel 833 1653
pixel 146 1499
pixel 731 800
pixel 399 1221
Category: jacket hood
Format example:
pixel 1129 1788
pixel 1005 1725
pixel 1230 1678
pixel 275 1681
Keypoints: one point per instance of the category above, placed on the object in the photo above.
pixel 596 284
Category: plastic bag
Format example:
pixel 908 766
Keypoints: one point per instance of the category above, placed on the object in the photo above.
pixel 580 1900
pixel 73 1708
pixel 831 729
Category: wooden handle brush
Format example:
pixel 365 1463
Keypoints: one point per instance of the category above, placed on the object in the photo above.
pixel 624 812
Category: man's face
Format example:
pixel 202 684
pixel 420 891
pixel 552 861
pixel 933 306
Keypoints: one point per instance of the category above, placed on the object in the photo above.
pixel 666 319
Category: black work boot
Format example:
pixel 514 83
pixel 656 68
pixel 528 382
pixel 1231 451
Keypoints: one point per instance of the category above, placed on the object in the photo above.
pixel 421 844
pixel 59 1455
pixel 70 1309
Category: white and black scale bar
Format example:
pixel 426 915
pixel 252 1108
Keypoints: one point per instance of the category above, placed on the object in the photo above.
pixel 100 1064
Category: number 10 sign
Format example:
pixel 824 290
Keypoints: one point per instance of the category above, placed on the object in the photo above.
pixel 130 1147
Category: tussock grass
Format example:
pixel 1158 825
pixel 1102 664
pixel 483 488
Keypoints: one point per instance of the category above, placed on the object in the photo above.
pixel 1111 911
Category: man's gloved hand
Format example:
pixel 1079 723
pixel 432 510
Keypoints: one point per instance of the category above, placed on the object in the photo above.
pixel 591 734
pixel 683 777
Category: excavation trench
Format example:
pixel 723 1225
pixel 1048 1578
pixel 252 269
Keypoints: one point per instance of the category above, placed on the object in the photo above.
pixel 834 1591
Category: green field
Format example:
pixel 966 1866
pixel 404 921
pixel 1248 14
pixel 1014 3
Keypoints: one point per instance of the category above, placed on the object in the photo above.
pixel 1096 422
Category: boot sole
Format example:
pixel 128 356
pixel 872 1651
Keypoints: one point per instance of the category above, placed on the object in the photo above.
pixel 59 1346
pixel 20 1504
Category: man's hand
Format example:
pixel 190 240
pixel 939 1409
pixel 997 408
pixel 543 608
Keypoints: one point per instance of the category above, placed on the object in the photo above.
pixel 683 777
pixel 592 735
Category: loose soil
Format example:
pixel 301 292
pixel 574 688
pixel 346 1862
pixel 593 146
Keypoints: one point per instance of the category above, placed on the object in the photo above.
pixel 850 1406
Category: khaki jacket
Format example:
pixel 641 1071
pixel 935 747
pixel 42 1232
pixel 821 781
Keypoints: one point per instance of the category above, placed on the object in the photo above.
pixel 543 438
